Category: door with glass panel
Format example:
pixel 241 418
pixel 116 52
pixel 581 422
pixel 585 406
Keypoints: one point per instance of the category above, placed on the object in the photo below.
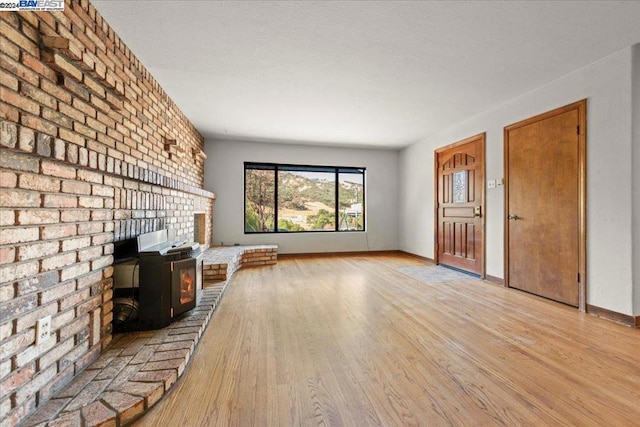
pixel 460 205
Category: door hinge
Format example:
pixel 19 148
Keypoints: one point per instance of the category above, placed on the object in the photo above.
pixel 578 129
pixel 171 266
pixel 578 277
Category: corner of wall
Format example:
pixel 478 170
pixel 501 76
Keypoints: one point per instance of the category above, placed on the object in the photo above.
pixel 635 171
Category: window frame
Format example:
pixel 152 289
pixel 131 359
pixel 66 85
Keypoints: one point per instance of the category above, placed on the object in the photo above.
pixel 289 167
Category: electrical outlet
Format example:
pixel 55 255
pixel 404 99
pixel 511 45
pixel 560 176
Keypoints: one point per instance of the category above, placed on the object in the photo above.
pixel 43 329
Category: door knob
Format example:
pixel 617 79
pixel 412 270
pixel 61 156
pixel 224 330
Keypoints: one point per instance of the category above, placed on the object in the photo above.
pixel 514 217
pixel 477 211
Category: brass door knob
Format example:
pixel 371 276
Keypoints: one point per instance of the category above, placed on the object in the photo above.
pixel 514 217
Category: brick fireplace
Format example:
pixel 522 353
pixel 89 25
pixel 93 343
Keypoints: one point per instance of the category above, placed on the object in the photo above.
pixel 92 152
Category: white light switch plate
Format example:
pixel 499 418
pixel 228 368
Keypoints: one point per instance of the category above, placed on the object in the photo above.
pixel 491 183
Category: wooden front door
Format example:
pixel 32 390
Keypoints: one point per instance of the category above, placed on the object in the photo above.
pixel 544 199
pixel 460 205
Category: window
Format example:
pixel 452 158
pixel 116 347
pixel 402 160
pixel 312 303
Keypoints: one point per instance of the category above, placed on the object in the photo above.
pixel 294 198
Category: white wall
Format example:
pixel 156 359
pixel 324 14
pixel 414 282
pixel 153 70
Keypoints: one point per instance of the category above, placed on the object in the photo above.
pixel 635 109
pixel 607 85
pixel 224 175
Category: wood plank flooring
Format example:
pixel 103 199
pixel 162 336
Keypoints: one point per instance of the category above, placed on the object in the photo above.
pixel 352 341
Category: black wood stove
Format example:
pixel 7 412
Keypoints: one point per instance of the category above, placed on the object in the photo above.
pixel 170 273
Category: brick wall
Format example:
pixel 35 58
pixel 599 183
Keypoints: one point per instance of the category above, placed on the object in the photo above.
pixel 92 151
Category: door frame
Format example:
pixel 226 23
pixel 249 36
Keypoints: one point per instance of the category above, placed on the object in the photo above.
pixel 483 138
pixel 581 106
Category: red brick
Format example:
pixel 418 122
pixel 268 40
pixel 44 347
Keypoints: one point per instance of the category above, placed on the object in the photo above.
pixel 18 379
pixel 29 354
pixel 7 255
pixel 34 64
pixel 19 198
pixel 93 227
pixel 80 323
pixel 8 179
pixel 29 319
pixel 101 215
pixel 83 156
pixel 90 253
pixel 62 319
pixel 72 137
pixel 10 49
pixel 93 85
pixel 18 100
pixel 72 153
pixel 59 150
pixel 26 139
pixel 98 126
pixel 74 271
pixel 18 70
pixel 68 110
pixel 101 262
pixel 100 104
pixel 19 162
pixel 39 124
pixel 57 292
pixel 8 80
pixel 78 243
pixel 84 130
pixel 8 132
pixel 56 169
pixel 19 39
pixel 27 217
pixel 39 182
pixel 60 63
pixel 102 190
pixel 55 90
pixel 84 107
pixel 39 96
pixel 13 272
pixel 102 239
pixel 91 202
pixel 75 215
pixel 128 406
pixel 59 231
pixel 47 411
pixel 60 201
pixel 76 187
pixel 97 414
pixel 18 235
pixel 89 176
pixel 58 261
pixel 43 145
pixel 38 250
pixel 57 118
pixel 9 112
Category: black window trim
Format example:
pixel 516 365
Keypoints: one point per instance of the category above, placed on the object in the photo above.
pixel 276 167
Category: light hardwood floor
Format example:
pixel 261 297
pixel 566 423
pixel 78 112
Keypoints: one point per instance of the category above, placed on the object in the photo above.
pixel 352 341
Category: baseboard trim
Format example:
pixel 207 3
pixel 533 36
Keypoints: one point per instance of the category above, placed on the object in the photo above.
pixel 495 280
pixel 624 319
pixel 423 258
pixel 338 254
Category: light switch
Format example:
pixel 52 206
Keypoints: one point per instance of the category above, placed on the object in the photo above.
pixel 491 183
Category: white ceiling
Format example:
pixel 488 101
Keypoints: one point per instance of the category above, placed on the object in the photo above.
pixel 381 73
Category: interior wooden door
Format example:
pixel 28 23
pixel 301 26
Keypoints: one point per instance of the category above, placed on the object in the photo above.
pixel 460 205
pixel 544 192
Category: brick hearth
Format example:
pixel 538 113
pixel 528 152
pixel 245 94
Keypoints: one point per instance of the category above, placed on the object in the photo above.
pixel 139 368
pixel 224 261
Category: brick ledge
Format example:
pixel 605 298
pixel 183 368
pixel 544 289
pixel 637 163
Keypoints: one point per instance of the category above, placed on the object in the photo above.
pixel 138 368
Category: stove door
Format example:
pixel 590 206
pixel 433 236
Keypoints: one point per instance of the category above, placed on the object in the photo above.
pixel 183 285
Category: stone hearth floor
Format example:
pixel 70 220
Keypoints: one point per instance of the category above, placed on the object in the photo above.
pixel 137 368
